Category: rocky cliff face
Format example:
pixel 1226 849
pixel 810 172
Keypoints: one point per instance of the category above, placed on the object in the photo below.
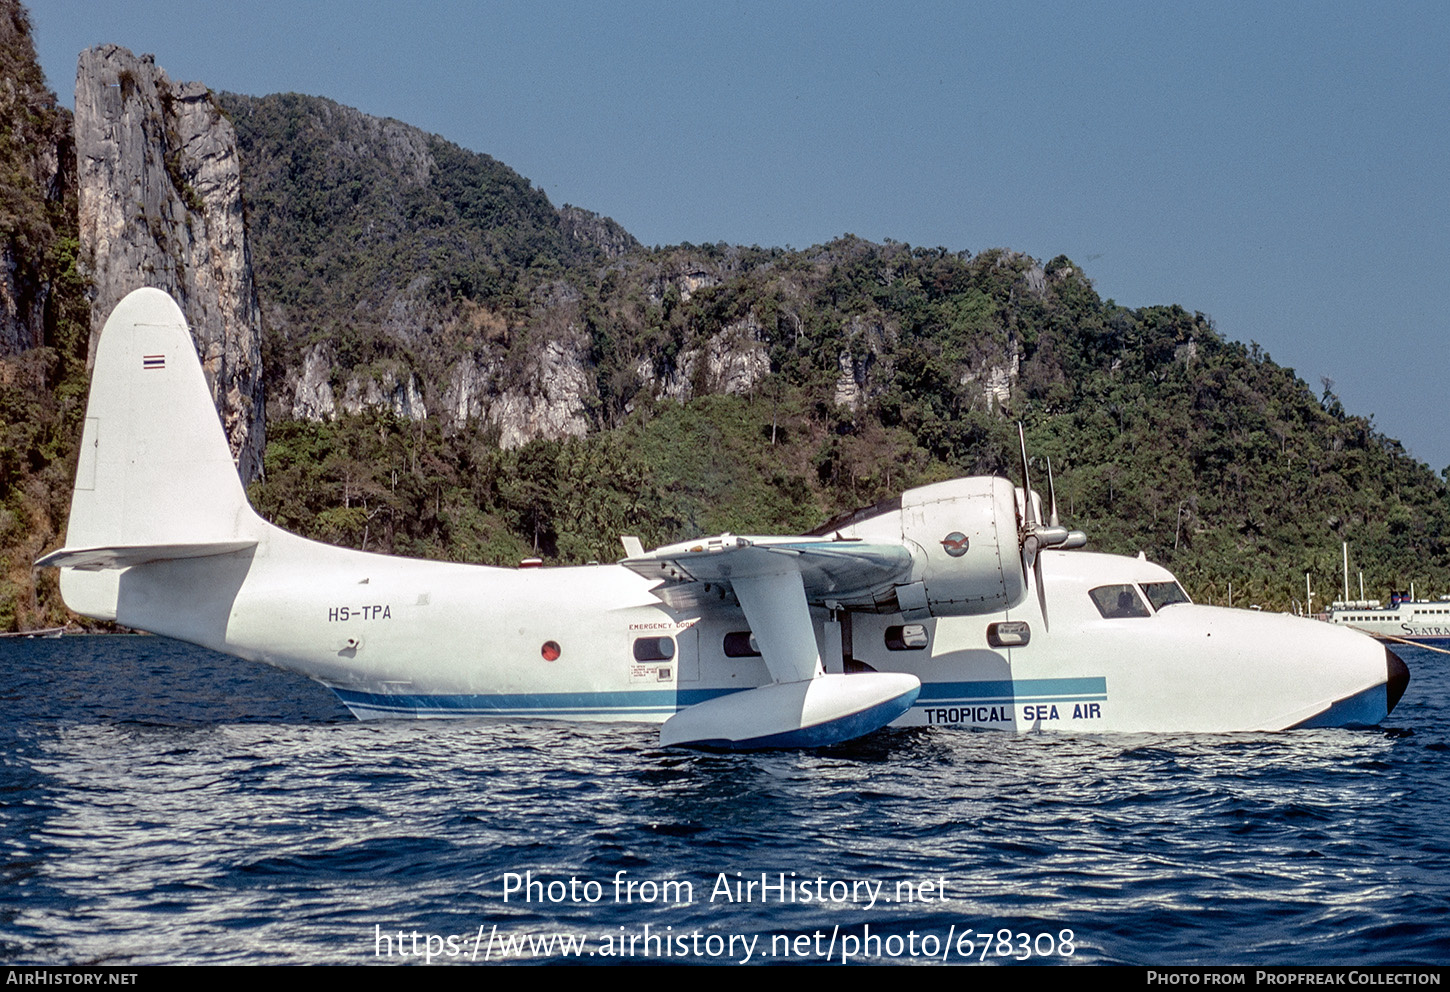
pixel 545 399
pixel 39 171
pixel 732 360
pixel 160 204
pixel 537 384
pixel 590 231
pixel 525 382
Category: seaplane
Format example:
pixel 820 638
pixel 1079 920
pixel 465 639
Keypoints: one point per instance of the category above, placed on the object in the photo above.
pixel 958 604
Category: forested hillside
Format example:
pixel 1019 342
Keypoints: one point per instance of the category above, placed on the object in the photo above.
pixel 455 368
pixel 1164 437
pixel 389 252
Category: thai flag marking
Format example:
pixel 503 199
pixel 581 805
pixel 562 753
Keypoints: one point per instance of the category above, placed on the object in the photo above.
pixel 153 361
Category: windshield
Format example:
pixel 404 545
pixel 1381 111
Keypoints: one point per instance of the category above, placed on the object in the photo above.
pixel 1114 602
pixel 1162 594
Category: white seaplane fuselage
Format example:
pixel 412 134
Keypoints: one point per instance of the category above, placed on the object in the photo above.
pixel 921 615
pixel 397 637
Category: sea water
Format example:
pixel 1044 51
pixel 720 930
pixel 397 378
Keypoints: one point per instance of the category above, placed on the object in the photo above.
pixel 164 804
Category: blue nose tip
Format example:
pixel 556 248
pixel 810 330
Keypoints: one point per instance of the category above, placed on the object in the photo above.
pixel 1397 678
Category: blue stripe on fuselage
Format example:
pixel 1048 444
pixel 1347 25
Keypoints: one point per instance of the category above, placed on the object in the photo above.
pixel 623 704
pixel 644 703
pixel 1094 689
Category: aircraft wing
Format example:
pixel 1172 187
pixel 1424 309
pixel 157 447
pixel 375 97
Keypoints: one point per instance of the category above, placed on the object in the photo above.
pixel 774 579
pixel 849 572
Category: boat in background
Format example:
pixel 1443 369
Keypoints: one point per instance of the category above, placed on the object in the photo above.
pixel 1407 620
pixel 1424 623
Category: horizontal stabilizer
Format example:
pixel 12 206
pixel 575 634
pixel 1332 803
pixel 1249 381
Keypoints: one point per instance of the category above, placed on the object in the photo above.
pixel 124 556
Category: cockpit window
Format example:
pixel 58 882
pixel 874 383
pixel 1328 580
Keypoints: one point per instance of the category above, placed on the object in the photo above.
pixel 1162 594
pixel 1118 601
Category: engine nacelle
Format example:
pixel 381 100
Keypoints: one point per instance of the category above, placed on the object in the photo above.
pixel 964 541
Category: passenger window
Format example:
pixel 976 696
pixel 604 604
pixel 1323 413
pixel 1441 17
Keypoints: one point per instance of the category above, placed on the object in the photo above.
pixel 910 637
pixel 1114 602
pixel 654 648
pixel 741 644
pixel 1162 594
pixel 1009 634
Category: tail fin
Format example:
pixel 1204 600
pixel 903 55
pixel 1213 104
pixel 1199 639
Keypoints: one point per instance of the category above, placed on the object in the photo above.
pixel 155 480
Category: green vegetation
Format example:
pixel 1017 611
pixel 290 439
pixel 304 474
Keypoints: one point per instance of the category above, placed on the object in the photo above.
pixel 383 484
pixel 360 225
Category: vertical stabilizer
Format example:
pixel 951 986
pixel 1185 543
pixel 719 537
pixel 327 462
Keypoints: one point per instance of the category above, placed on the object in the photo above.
pixel 155 467
pixel 155 471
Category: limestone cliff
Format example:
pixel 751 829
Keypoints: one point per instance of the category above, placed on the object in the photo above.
pixel 732 360
pixel 38 161
pixel 160 204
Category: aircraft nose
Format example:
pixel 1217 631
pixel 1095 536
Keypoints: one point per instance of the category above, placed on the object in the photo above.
pixel 1397 678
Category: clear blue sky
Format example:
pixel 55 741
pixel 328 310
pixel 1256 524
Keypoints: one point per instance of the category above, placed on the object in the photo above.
pixel 1279 167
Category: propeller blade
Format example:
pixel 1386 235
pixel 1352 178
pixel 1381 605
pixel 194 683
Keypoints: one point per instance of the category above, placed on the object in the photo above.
pixel 1030 517
pixel 1041 593
pixel 1052 521
pixel 1036 536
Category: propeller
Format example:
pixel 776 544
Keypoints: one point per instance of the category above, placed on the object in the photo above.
pixel 1074 538
pixel 1037 536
